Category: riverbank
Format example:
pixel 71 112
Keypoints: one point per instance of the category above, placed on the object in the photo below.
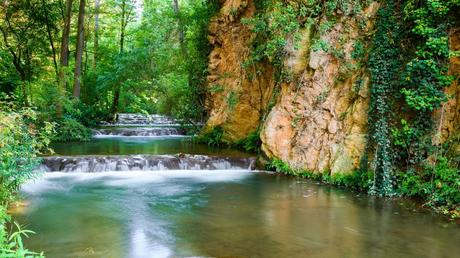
pixel 440 196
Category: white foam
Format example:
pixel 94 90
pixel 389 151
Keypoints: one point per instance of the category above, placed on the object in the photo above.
pixel 50 181
pixel 171 136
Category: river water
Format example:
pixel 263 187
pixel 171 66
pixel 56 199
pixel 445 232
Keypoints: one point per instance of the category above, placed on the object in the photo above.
pixel 223 209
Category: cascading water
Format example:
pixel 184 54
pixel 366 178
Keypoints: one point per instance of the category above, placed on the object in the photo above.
pixel 138 131
pixel 91 164
pixel 142 120
pixel 139 125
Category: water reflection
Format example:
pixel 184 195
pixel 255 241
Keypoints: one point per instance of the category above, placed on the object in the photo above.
pixel 223 213
pixel 141 145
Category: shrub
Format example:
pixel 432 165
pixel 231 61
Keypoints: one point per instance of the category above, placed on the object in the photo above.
pixel 71 130
pixel 438 184
pixel 251 143
pixel 214 138
pixel 20 142
pixel 356 180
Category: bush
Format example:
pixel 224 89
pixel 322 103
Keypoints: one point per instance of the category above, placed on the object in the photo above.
pixel 71 130
pixel 20 143
pixel 251 143
pixel 213 138
pixel 356 180
pixel 438 184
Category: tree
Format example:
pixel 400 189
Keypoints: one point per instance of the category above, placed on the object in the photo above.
pixel 64 57
pixel 97 5
pixel 126 11
pixel 49 28
pixel 79 50
pixel 181 32
pixel 22 32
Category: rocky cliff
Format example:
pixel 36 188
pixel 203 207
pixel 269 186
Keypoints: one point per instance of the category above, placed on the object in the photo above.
pixel 319 120
pixel 237 95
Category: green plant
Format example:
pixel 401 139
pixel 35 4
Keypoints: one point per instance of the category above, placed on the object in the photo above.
pixel 251 143
pixel 213 138
pixel 69 129
pixel 21 140
pixel 359 50
pixel 216 88
pixel 12 245
pixel 384 65
pixel 356 180
pixel 437 184
pixel 232 100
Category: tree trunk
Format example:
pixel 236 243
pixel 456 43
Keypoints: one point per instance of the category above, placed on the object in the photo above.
pixel 18 65
pixel 124 21
pixel 64 57
pixel 97 5
pixel 181 29
pixel 50 38
pixel 79 50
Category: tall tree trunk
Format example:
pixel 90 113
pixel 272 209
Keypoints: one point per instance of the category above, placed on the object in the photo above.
pixel 64 57
pixel 123 25
pixel 50 38
pixel 181 29
pixel 124 22
pixel 97 5
pixel 79 50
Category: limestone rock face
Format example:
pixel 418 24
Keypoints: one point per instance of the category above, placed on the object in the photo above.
pixel 320 123
pixel 237 95
pixel 448 117
pixel 319 119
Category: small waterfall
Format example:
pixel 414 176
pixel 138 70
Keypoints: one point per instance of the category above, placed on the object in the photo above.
pixel 138 131
pixel 91 164
pixel 142 120
pixel 139 125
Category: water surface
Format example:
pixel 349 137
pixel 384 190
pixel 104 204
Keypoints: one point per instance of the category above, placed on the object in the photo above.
pixel 158 145
pixel 222 214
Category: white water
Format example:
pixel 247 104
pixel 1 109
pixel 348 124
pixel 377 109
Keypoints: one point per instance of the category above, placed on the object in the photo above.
pixel 50 181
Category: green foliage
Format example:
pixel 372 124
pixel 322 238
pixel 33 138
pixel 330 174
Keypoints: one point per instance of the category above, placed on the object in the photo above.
pixel 438 184
pixel 357 180
pixel 232 100
pixel 320 45
pixel 21 140
pixel 13 245
pixel 69 129
pixel 251 143
pixel 359 51
pixel 213 138
pixel 384 65
pixel 275 23
pixel 408 64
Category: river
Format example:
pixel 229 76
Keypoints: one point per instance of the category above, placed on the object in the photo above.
pixel 183 199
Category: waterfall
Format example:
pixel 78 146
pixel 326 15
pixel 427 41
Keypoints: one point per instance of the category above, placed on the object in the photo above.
pixel 137 131
pixel 91 164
